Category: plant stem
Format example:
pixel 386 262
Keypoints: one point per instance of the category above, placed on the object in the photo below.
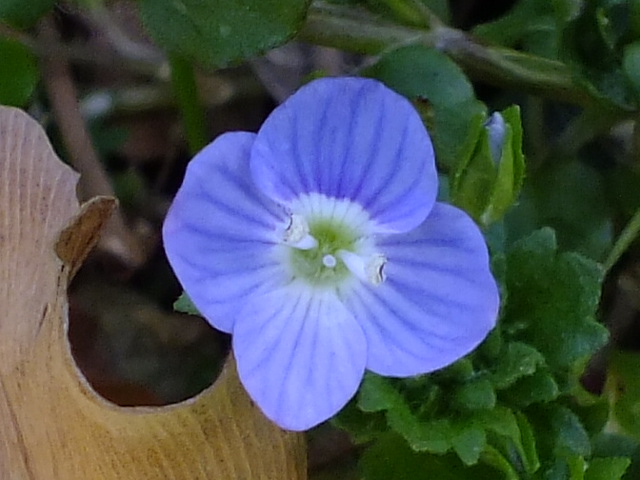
pixel 355 29
pixel 624 241
pixel 185 89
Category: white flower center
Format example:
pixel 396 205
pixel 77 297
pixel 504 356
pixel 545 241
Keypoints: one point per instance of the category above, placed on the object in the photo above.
pixel 328 241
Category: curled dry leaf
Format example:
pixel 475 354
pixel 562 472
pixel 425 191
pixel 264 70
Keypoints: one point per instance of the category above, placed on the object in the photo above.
pixel 54 426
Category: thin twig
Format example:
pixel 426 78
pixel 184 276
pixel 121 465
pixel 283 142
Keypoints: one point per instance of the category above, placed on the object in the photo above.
pixel 117 239
pixel 85 54
pixel 356 29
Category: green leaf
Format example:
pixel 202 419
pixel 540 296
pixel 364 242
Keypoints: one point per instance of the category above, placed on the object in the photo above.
pixel 377 394
pixel 477 394
pixel 607 468
pixel 184 305
pixel 18 71
pixel 559 432
pixel 425 74
pixel 516 361
pixel 469 442
pixel 527 444
pixel 595 414
pixel 512 436
pixel 23 13
pixel 219 32
pixel 592 43
pixel 631 65
pixel 553 298
pixel 511 168
pixel 362 427
pixel 570 197
pixel 530 24
pixel 623 386
pixel 389 458
pixel 487 182
pixel 617 445
pixel 459 371
pixel 540 387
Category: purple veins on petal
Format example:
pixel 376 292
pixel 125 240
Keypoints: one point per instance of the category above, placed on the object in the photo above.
pixel 300 355
pixel 219 234
pixel 349 138
pixel 438 301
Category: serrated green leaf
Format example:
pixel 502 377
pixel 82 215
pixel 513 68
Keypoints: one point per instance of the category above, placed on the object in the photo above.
pixel 500 420
pixel 477 394
pixel 553 298
pixel 468 442
pixel 362 427
pixel 516 361
pixel 18 71
pixel 607 468
pixel 184 305
pixel 459 371
pixel 425 74
pixel 22 14
pixel 434 436
pixel 377 394
pixel 540 387
pixel 513 437
pixel 492 456
pixel 572 438
pixel 219 32
pixel 559 432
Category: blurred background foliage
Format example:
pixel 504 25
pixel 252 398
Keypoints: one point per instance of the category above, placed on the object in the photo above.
pixel 129 90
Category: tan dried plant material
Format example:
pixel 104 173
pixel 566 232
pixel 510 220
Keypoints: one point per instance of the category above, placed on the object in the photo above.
pixel 54 426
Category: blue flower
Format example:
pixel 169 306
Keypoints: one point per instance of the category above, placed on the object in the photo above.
pixel 318 244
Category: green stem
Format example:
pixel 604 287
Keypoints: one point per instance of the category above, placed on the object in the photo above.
pixel 624 241
pixel 355 29
pixel 185 90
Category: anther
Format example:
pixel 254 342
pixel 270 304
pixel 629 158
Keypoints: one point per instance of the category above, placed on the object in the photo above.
pixel 368 269
pixel 297 234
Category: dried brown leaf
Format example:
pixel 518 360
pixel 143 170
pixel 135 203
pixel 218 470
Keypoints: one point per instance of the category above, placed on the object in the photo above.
pixel 54 426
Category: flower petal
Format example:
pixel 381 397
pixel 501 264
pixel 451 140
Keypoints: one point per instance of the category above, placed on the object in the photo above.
pixel 349 138
pixel 437 302
pixel 219 234
pixel 300 355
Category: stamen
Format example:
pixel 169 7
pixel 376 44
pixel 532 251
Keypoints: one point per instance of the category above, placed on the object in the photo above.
pixel 297 234
pixel 368 269
pixel 374 268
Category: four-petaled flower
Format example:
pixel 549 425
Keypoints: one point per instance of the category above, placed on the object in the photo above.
pixel 318 244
